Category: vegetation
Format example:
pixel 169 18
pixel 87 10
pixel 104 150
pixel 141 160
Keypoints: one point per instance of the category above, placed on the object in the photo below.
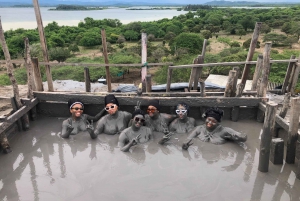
pixel 74 7
pixel 178 40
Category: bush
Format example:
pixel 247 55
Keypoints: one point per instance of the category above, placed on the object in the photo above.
pixel 59 54
pixel 191 41
pixel 73 48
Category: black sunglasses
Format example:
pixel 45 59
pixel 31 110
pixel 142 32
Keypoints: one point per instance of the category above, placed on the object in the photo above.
pixel 139 119
pixel 77 108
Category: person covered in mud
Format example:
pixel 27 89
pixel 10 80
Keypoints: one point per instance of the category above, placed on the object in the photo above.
pixel 183 123
pixel 79 121
pixel 115 121
pixel 213 131
pixel 157 121
pixel 135 134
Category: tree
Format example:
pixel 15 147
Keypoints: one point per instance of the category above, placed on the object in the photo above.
pixel 191 41
pixel 265 28
pixel 206 34
pixel 158 54
pixel 151 37
pixel 173 28
pixel 73 47
pixel 90 39
pixel 169 36
pixel 290 40
pixel 246 44
pixel 131 35
pixel 296 28
pixel 276 39
pixel 56 41
pixel 121 39
pixel 59 54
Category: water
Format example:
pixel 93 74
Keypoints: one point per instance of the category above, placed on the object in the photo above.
pixel 43 166
pixel 13 18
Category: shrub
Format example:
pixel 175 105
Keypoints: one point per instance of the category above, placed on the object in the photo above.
pixel 59 54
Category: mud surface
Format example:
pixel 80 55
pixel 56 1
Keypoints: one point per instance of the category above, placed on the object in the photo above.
pixel 43 166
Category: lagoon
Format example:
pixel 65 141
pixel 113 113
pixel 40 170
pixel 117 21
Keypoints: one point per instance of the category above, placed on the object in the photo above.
pixel 14 18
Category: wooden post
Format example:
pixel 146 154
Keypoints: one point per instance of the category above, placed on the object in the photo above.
pixel 200 60
pixel 229 90
pixel 293 130
pixel 37 74
pixel 253 43
pixel 15 109
pixel 43 43
pixel 193 73
pixel 11 75
pixel 148 83
pixel 238 71
pixel 257 72
pixel 277 150
pixel 295 79
pixel 288 75
pixel 169 78
pixel 266 137
pixel 202 88
pixel 30 79
pixel 235 111
pixel 108 81
pixel 265 71
pixel 87 79
pixel 286 104
pixel 144 57
pixel 204 48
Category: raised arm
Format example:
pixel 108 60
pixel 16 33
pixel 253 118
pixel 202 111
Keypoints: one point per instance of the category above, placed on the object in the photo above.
pixel 90 129
pixel 124 142
pixel 231 134
pixel 100 126
pixel 194 133
pixel 67 128
pixel 169 117
pixel 97 117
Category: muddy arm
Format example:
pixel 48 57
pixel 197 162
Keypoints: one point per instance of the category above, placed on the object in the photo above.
pixel 97 117
pixel 191 124
pixel 100 126
pixel 194 133
pixel 90 129
pixel 67 128
pixel 230 134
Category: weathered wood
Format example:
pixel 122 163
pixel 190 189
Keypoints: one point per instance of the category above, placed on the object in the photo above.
pixel 148 83
pixel 164 101
pixel 293 130
pixel 236 77
pixel 288 75
pixel 37 74
pixel 249 58
pixel 291 79
pixel 144 56
pixel 202 89
pixel 169 80
pixel 17 115
pixel 229 90
pixel 265 71
pixel 266 137
pixel 204 48
pixel 295 79
pixel 198 74
pixel 235 110
pixel 15 109
pixel 257 72
pixel 277 150
pixel 235 113
pixel 286 104
pixel 28 64
pixel 43 43
pixel 87 80
pixel 105 54
pixel 192 75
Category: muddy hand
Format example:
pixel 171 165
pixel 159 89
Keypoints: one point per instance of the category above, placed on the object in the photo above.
pixel 186 145
pixel 69 126
pixel 89 126
pixel 135 140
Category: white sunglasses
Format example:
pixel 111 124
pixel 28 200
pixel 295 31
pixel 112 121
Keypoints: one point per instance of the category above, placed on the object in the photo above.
pixel 180 111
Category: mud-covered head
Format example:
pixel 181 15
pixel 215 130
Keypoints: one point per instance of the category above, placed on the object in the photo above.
pixel 182 110
pixel 111 104
pixel 76 107
pixel 153 108
pixel 214 112
pixel 138 117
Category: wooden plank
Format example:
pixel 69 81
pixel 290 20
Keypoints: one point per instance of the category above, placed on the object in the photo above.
pixel 266 137
pixel 105 54
pixel 169 80
pixel 43 43
pixel 87 79
pixel 15 109
pixel 17 115
pixel 288 75
pixel 200 60
pixel 295 77
pixel 37 74
pixel 144 56
pixel 192 75
pixel 293 130
pixel 257 72
pixel 28 64
pixel 164 101
pixel 148 84
pixel 286 104
pixel 229 90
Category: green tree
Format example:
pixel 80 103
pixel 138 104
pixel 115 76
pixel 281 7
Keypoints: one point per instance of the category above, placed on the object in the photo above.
pixel 276 39
pixel 90 39
pixel 131 35
pixel 56 41
pixel 206 34
pixel 59 54
pixel 191 41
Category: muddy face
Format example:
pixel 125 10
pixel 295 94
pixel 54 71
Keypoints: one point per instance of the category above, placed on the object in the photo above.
pixel 152 111
pixel 111 108
pixel 211 123
pixel 181 112
pixel 76 110
pixel 138 121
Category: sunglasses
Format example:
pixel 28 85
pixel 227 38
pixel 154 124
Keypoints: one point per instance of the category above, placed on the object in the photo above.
pixel 110 107
pixel 77 108
pixel 136 119
pixel 151 110
pixel 180 111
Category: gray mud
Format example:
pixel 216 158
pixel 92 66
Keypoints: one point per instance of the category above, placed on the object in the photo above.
pixel 44 166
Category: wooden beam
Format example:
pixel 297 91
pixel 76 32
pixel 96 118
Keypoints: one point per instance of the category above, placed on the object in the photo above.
pixel 257 72
pixel 295 77
pixel 105 54
pixel 288 75
pixel 37 74
pixel 144 56
pixel 17 115
pixel 87 80
pixel 229 90
pixel 265 71
pixel 169 80
pixel 148 84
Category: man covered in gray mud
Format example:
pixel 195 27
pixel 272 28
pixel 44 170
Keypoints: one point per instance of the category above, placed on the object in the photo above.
pixel 4 143
pixel 135 134
pixel 79 121
pixel 213 131
pixel 157 121
pixel 183 123
pixel 115 121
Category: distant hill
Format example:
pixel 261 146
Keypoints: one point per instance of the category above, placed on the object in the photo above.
pixel 231 3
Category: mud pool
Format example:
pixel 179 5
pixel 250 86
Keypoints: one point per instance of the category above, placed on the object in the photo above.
pixel 44 166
